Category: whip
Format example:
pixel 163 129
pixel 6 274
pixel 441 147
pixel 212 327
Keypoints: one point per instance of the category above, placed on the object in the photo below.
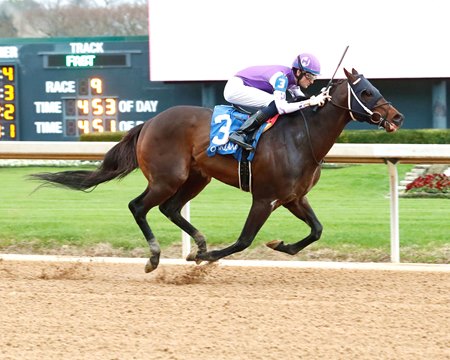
pixel 335 71
pixel 327 88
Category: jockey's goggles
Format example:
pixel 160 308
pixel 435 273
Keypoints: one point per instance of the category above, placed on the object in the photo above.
pixel 309 76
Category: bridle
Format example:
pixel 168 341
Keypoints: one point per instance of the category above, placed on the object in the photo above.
pixel 359 109
pixel 365 109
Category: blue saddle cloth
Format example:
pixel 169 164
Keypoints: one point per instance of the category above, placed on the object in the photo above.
pixel 225 120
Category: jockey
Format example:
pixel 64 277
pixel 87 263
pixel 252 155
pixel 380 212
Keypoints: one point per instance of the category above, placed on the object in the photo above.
pixel 265 87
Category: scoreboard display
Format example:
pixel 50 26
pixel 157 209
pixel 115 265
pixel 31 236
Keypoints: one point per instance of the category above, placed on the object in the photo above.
pixel 8 96
pixel 59 89
pixel 89 111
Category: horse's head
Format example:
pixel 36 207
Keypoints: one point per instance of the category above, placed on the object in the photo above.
pixel 366 103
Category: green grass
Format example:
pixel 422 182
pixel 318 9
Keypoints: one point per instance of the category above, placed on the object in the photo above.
pixel 351 202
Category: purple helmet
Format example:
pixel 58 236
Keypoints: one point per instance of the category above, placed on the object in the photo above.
pixel 308 62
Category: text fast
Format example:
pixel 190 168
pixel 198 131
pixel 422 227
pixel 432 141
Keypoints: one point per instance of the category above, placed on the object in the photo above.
pixel 80 60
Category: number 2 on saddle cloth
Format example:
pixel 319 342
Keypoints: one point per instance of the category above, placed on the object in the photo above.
pixel 225 120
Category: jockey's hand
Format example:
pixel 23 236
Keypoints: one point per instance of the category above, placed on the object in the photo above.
pixel 320 99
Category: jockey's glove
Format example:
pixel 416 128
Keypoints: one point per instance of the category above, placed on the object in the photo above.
pixel 319 100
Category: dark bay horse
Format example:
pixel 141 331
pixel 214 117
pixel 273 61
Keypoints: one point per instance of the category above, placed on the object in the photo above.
pixel 170 150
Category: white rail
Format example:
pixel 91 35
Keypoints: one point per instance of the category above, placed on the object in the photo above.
pixel 390 154
pixel 339 153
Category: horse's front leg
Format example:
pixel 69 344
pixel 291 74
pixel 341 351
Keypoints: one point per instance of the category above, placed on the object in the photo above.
pixel 259 213
pixel 302 210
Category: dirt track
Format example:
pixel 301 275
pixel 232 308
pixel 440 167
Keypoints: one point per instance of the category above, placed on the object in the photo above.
pixel 115 311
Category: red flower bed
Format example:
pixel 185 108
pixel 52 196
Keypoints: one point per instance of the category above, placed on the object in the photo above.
pixel 430 183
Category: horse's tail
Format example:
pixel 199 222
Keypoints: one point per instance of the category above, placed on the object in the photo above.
pixel 118 162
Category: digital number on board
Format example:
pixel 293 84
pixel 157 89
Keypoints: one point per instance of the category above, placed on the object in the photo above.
pixel 90 111
pixel 8 102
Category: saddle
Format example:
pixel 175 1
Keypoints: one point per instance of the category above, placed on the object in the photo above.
pixel 225 120
pixel 249 110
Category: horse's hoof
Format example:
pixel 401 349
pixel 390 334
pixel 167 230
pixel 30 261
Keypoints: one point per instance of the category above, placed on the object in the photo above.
pixel 279 245
pixel 151 264
pixel 193 256
pixel 274 244
pixel 206 256
pixel 149 267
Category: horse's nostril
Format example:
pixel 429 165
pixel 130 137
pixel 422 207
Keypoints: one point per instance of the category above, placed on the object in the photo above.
pixel 398 119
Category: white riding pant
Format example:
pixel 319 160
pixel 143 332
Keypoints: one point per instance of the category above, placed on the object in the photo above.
pixel 237 93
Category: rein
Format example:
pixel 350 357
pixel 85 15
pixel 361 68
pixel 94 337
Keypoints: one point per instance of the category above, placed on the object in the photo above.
pixel 309 139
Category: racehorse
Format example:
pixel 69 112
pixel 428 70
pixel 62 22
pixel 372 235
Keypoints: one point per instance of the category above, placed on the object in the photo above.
pixel 170 150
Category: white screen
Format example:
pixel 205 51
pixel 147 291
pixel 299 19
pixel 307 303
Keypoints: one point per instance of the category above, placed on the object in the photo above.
pixel 201 40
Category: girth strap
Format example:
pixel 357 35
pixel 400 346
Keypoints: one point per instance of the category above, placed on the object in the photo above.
pixel 245 172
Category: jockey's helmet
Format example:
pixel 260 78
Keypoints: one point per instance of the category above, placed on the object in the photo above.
pixel 308 63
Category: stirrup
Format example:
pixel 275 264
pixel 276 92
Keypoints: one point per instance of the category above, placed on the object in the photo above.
pixel 241 143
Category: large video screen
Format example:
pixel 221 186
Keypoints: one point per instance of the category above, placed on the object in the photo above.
pixel 211 40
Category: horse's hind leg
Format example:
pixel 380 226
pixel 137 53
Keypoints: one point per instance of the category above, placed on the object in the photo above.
pixel 139 207
pixel 302 210
pixel 172 209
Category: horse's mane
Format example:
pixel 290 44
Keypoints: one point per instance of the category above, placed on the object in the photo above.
pixel 336 83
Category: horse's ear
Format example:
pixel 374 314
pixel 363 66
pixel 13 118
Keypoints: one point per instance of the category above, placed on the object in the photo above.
pixel 354 72
pixel 350 76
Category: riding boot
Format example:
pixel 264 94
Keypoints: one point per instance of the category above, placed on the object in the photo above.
pixel 252 123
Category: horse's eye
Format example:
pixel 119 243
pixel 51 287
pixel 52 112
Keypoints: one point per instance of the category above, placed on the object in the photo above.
pixel 366 93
